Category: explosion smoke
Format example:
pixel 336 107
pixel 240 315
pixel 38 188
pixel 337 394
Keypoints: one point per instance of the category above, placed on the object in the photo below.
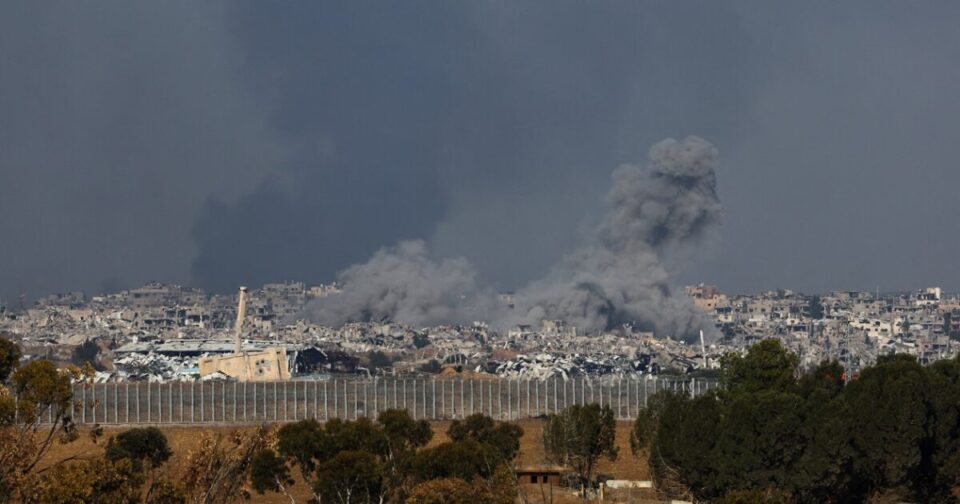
pixel 402 283
pixel 666 209
pixel 656 217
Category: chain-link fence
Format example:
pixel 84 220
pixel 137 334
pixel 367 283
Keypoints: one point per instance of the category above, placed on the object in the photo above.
pixel 230 402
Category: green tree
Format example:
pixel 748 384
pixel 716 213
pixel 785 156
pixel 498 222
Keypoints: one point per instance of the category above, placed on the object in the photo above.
pixel 889 407
pixel 681 446
pixel 268 472
pixel 403 432
pixel 31 393
pixel 503 436
pixel 945 409
pixel 9 358
pixel 765 429
pixel 349 477
pixel 465 459
pixel 444 491
pixel 500 489
pixel 893 433
pixel 766 366
pixel 361 434
pixel 139 445
pixel 578 436
pixel 95 480
pixel 304 443
pixel 391 441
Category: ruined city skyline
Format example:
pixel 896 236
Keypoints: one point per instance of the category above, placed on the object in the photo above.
pixel 241 143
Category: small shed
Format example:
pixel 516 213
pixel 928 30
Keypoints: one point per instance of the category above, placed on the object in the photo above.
pixel 550 475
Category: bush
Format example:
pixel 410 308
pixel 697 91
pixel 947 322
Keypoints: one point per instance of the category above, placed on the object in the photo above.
pixel 139 445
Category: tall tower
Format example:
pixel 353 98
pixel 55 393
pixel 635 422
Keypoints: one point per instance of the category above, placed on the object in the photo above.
pixel 241 315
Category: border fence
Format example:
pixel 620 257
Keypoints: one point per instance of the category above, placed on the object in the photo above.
pixel 430 398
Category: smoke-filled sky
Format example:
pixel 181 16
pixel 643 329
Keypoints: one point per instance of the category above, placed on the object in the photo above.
pixel 215 144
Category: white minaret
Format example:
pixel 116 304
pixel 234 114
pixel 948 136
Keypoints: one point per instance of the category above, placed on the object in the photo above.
pixel 241 315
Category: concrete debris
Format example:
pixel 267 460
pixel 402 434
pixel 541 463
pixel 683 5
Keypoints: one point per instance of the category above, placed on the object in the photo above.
pixel 158 332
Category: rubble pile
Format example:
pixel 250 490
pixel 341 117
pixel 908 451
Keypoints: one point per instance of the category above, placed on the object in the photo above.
pixel 157 332
pixel 153 366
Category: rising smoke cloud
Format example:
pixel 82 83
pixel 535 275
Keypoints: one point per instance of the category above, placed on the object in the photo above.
pixel 656 217
pixel 403 283
pixel 664 210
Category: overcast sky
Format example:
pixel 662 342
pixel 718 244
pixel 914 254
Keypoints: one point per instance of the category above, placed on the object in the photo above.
pixel 214 145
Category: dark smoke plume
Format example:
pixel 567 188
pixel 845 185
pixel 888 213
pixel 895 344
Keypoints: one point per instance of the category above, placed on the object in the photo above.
pixel 664 210
pixel 656 217
pixel 402 283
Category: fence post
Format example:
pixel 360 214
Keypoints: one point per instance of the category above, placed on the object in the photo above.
pixel 500 398
pixel 620 397
pixel 628 397
pixel 536 393
pixel 573 388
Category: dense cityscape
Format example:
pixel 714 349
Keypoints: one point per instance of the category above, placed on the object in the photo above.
pixel 159 332
pixel 434 252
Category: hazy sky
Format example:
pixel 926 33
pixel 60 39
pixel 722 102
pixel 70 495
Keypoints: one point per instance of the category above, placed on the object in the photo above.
pixel 219 144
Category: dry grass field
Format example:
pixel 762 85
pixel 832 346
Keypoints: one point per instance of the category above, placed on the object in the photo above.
pixel 183 439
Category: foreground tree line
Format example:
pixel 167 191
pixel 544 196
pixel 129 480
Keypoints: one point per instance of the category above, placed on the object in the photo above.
pixel 773 434
pixel 359 461
pixel 770 433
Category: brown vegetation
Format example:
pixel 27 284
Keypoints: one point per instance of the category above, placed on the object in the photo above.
pixel 184 439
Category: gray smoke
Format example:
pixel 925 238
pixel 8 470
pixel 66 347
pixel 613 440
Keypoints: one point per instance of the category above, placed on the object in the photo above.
pixel 403 283
pixel 656 217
